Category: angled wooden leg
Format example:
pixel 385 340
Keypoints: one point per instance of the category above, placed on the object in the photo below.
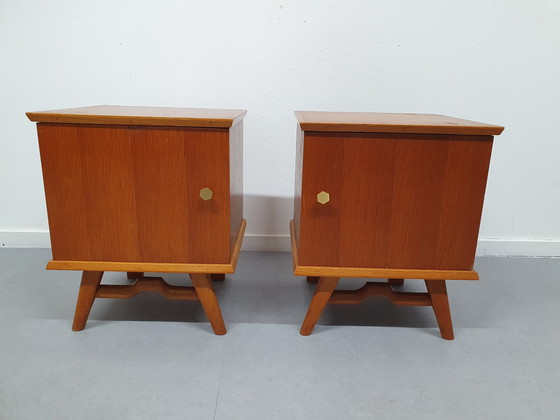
pixel 203 286
pixel 218 277
pixel 312 279
pixel 396 282
pixel 86 296
pixel 133 275
pixel 438 295
pixel 323 292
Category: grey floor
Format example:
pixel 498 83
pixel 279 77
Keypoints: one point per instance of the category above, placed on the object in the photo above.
pixel 149 358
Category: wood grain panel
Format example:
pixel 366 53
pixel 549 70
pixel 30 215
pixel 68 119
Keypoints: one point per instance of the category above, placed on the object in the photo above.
pixel 320 223
pixel 208 222
pixel 313 272
pixel 368 182
pixel 88 176
pixel 464 184
pixel 400 201
pixel 108 177
pixel 235 179
pixel 161 187
pixel 65 192
pixel 151 267
pixel 416 202
pixel 131 194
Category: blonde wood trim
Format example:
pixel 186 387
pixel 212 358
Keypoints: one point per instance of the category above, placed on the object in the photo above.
pixel 237 247
pixel 146 284
pixel 385 273
pixel 373 289
pixel 374 122
pixel 294 246
pixel 139 115
pixel 139 266
pixel 411 129
pixel 156 267
pixel 401 273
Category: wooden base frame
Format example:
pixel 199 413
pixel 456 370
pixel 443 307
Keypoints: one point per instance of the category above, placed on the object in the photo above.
pixel 201 276
pixel 91 288
pixel 325 293
pixel 327 279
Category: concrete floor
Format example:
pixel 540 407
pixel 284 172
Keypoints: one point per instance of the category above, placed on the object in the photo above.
pixel 148 358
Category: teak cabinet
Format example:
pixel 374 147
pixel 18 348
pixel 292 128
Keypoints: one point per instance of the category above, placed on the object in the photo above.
pixel 142 189
pixel 388 195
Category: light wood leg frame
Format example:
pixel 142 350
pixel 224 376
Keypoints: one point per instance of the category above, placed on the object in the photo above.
pixel 132 275
pixel 440 303
pixel 436 297
pixel 86 296
pixel 323 292
pixel 91 288
pixel 203 285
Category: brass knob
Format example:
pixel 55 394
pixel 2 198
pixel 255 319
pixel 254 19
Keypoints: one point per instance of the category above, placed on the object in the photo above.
pixel 206 194
pixel 323 197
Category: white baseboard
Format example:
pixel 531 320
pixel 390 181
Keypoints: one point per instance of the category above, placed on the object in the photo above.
pixel 252 242
pixel 24 239
pixel 534 248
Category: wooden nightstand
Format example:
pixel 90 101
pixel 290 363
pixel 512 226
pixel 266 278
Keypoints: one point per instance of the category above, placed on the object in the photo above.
pixel 391 196
pixel 140 189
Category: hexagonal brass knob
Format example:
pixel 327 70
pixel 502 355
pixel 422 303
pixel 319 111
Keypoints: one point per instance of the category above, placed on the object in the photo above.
pixel 323 197
pixel 206 194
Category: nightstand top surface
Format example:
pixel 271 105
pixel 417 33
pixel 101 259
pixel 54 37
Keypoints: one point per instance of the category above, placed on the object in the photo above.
pixel 142 115
pixel 375 122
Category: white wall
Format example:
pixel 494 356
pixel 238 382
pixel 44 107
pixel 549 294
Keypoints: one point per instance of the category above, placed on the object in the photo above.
pixel 492 61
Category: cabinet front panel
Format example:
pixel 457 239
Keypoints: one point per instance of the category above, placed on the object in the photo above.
pixel 130 193
pixel 319 224
pixel 396 201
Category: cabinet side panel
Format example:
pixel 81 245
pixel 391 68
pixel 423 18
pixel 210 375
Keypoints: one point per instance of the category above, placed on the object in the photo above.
pixel 298 180
pixel 464 185
pixel 235 179
pixel 64 192
pixel 417 201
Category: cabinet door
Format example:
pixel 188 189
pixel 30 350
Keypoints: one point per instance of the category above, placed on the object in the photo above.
pixel 121 193
pixel 351 229
pixel 395 200
pixel 171 167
